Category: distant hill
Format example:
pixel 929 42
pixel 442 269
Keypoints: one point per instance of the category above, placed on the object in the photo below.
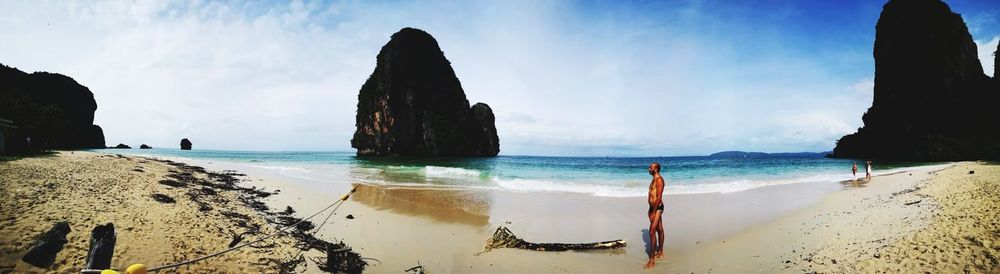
pixel 52 109
pixel 744 154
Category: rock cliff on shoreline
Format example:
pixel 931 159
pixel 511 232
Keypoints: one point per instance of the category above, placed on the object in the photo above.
pixel 51 109
pixel 932 101
pixel 414 105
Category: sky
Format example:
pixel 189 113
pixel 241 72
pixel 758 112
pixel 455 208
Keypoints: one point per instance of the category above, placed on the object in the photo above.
pixel 564 78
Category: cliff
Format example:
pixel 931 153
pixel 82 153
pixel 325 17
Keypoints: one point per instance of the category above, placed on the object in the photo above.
pixel 932 100
pixel 52 109
pixel 414 105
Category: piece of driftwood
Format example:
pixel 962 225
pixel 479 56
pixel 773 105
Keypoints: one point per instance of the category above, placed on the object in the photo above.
pixel 503 237
pixel 102 247
pixel 43 254
pixel 340 259
pixel 419 269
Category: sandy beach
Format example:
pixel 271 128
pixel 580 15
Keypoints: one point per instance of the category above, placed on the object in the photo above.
pixel 935 218
pixel 88 189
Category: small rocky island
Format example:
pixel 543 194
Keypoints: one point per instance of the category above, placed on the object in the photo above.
pixel 932 100
pixel 185 144
pixel 414 105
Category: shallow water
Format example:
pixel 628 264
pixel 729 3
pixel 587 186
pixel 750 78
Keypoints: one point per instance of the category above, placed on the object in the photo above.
pixel 599 176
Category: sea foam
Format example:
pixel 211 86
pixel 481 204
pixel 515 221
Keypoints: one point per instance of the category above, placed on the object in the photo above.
pixel 450 172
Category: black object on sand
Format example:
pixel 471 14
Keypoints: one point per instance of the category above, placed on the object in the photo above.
pixel 341 259
pixel 43 254
pixel 163 198
pixel 102 246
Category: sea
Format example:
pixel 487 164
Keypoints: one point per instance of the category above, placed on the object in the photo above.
pixel 598 176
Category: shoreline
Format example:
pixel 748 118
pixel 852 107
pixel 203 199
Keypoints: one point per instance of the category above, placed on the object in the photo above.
pixel 781 228
pixel 312 172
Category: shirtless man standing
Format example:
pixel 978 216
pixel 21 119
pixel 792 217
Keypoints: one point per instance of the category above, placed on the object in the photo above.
pixel 655 215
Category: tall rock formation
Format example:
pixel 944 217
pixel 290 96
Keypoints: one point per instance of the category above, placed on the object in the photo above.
pixel 932 100
pixel 414 105
pixel 52 109
pixel 185 144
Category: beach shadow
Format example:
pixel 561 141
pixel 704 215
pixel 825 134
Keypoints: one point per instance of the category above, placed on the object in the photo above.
pixel 646 241
pixel 30 154
pixel 450 206
pixel 854 183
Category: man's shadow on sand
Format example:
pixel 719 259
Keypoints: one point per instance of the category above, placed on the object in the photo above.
pixel 646 241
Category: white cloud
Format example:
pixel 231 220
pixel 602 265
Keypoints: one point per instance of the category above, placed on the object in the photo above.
pixel 986 49
pixel 865 85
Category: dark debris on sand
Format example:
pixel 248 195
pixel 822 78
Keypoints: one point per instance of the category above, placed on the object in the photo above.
pixel 341 259
pixel 163 198
pixel 172 183
pixel 199 190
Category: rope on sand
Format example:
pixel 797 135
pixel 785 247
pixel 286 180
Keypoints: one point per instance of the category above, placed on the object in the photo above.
pixel 262 238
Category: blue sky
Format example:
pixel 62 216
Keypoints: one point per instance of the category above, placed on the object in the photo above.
pixel 601 78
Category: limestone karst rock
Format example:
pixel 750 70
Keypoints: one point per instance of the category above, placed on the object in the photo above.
pixel 414 105
pixel 52 110
pixel 932 100
pixel 185 144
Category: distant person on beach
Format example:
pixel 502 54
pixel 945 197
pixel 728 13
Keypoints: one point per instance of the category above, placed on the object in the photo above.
pixel 655 214
pixel 868 170
pixel 854 170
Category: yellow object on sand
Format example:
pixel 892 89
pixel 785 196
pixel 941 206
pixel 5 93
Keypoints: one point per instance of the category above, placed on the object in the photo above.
pixel 136 269
pixel 109 271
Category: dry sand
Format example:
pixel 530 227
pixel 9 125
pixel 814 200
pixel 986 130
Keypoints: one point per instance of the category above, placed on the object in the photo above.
pixel 965 233
pixel 88 189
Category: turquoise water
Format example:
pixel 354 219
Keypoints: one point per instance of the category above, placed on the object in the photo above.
pixel 601 176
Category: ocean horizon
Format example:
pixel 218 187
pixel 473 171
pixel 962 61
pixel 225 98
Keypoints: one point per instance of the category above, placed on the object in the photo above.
pixel 598 176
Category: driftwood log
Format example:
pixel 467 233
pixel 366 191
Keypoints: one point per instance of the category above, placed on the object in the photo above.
pixel 102 247
pixel 504 238
pixel 43 254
